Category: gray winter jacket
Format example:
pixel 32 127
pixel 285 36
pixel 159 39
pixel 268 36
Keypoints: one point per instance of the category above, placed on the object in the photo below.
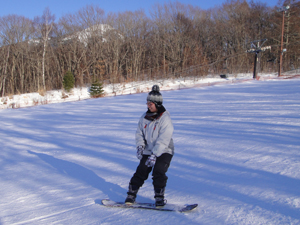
pixel 156 135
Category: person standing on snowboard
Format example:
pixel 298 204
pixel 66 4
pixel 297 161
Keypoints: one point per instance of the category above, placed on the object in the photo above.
pixel 155 148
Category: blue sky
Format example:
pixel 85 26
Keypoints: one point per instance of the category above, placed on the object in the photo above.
pixel 32 8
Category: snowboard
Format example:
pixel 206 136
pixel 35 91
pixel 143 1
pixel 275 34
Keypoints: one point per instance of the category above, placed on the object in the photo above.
pixel 151 206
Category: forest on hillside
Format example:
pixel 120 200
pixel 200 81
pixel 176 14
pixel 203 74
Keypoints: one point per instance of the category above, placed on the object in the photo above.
pixel 172 40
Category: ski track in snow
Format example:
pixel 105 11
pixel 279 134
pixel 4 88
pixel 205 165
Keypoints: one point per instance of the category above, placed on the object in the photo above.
pixel 237 154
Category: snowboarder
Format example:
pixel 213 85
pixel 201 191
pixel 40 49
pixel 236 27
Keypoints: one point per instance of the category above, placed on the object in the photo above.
pixel 155 148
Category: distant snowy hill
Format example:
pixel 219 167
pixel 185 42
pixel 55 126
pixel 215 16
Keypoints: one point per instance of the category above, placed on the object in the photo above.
pixel 84 35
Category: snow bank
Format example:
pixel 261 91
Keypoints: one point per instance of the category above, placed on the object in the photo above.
pixel 77 94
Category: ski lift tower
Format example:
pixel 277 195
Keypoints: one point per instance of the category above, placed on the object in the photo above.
pixel 256 47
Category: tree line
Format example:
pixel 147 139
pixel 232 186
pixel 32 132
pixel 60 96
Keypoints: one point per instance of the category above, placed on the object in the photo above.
pixel 172 40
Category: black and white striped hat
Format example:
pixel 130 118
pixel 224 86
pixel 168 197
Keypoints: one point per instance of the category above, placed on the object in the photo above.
pixel 155 96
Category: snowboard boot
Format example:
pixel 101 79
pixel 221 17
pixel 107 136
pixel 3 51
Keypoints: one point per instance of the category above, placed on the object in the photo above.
pixel 159 197
pixel 131 194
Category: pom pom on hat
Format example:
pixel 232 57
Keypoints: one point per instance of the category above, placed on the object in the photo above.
pixel 155 88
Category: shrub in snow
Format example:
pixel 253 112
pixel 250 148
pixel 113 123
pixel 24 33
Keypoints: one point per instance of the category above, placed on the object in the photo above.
pixel 96 89
pixel 68 81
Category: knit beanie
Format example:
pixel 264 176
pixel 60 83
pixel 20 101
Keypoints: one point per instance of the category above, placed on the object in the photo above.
pixel 155 96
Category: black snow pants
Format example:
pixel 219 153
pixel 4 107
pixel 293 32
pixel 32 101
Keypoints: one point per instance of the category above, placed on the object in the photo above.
pixel 158 174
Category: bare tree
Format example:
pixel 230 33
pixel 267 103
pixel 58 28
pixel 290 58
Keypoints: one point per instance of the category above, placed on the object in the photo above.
pixel 15 31
pixel 44 26
pixel 83 37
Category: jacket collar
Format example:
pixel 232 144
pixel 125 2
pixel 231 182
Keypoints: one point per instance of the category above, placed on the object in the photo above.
pixel 152 116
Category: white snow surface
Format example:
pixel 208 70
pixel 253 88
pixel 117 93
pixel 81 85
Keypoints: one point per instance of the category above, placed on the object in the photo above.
pixel 237 154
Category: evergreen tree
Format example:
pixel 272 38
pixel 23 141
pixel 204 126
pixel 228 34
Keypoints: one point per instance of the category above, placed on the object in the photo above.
pixel 96 89
pixel 68 81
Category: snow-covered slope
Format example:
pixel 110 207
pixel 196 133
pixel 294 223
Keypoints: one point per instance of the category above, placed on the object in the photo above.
pixel 237 156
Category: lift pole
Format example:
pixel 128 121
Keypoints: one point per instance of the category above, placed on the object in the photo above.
pixel 256 48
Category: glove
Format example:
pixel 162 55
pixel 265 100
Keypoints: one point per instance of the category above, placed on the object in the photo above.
pixel 151 161
pixel 139 152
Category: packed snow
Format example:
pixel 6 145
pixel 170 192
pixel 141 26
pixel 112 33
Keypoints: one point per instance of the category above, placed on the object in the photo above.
pixel 237 154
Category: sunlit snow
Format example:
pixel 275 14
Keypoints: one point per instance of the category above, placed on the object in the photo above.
pixel 237 154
